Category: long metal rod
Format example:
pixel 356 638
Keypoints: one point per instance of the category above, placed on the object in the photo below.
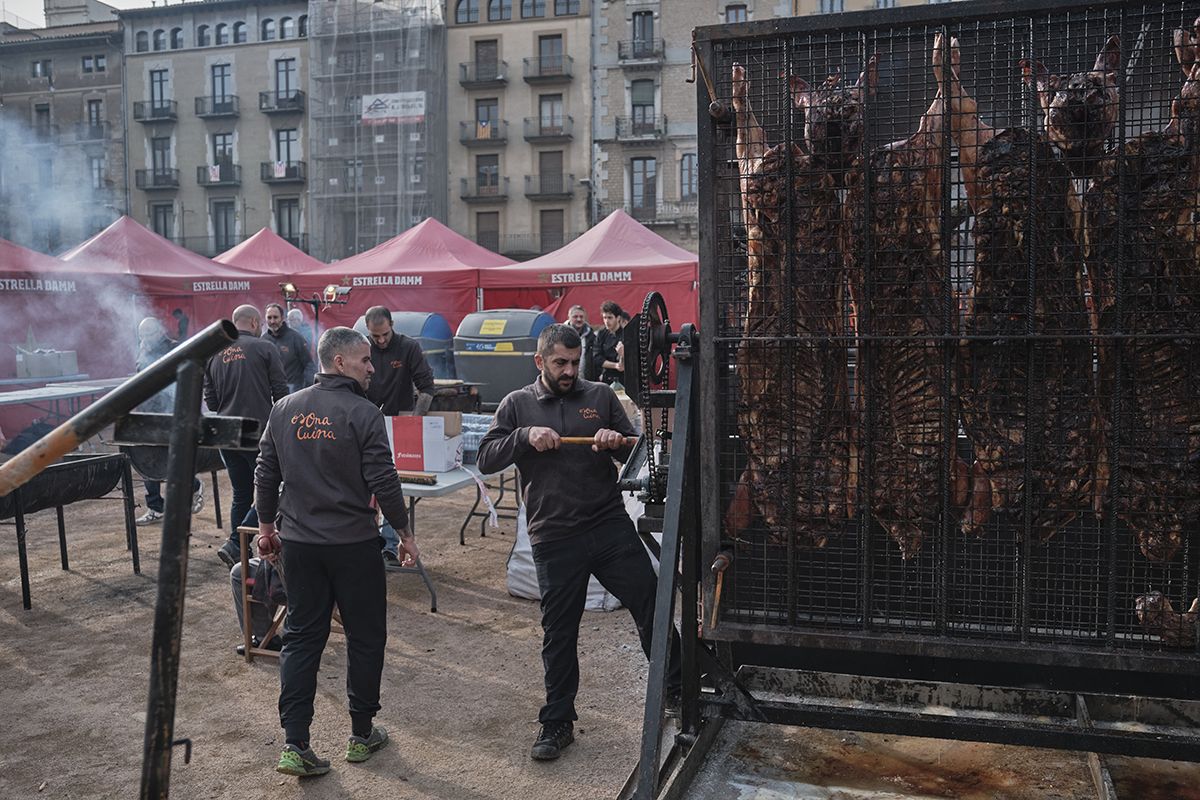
pixel 135 391
pixel 172 582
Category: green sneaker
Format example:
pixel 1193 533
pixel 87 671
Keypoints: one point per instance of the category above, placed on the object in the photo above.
pixel 359 749
pixel 301 763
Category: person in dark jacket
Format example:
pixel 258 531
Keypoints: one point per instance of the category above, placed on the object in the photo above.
pixel 153 344
pixel 578 320
pixel 399 367
pixel 327 540
pixel 574 532
pixel 607 360
pixel 243 380
pixel 298 365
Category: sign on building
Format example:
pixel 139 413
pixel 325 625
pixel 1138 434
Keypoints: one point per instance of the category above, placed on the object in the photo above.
pixel 396 107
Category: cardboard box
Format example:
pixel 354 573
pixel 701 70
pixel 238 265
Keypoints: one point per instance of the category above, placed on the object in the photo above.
pixel 454 421
pixel 46 363
pixel 421 443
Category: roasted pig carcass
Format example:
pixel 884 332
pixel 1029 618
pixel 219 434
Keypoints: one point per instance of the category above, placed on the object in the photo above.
pixel 902 298
pixel 1140 212
pixel 794 412
pixel 1027 386
pixel 1159 617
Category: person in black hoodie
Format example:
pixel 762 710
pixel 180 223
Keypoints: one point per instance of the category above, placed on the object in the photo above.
pixel 328 445
pixel 243 380
pixel 577 520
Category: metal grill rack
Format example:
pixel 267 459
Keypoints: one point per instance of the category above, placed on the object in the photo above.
pixel 950 292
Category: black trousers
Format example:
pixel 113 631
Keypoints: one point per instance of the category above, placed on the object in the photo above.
pixel 240 466
pixel 318 577
pixel 613 553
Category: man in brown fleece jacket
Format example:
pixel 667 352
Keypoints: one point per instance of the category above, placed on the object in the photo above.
pixel 577 521
pixel 327 444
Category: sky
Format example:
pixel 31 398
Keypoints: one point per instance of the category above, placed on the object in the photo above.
pixel 32 9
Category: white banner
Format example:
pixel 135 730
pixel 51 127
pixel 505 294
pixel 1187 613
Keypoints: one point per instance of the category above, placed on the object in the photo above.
pixel 384 109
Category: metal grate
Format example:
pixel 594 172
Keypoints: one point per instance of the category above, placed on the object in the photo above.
pixel 935 361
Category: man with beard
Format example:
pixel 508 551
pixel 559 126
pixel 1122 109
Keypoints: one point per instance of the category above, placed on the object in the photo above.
pixel 327 542
pixel 577 520
pixel 298 365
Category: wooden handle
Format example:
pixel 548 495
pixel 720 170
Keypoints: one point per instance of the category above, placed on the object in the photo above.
pixel 629 441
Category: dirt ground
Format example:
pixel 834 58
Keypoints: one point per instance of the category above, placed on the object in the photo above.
pixel 460 696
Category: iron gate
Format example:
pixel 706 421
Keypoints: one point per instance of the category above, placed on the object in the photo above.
pixel 950 371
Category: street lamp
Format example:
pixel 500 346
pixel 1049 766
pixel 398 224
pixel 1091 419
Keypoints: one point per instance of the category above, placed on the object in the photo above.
pixel 331 295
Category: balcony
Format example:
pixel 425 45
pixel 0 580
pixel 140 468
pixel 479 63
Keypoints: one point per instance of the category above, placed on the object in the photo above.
pixel 283 171
pixel 151 179
pixel 281 102
pixel 483 74
pixel 640 128
pixel 297 240
pixel 91 131
pixel 547 129
pixel 489 191
pixel 219 175
pixel 483 134
pixel 45 134
pixel 549 69
pixel 550 186
pixel 155 111
pixel 641 52
pixel 667 212
pixel 217 107
pixel 529 245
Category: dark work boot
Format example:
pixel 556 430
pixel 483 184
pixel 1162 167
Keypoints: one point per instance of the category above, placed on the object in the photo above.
pixel 554 738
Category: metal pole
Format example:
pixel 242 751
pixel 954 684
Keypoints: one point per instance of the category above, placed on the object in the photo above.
pixel 172 581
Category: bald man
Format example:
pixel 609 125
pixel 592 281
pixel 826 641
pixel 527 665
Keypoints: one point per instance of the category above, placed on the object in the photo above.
pixel 243 380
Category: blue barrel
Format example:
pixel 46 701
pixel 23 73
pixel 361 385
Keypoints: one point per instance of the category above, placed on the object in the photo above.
pixel 495 350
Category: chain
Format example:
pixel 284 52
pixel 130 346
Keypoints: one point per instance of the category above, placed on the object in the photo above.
pixel 646 360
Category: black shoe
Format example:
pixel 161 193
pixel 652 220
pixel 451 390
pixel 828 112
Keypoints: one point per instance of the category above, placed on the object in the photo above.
pixel 275 644
pixel 229 554
pixel 554 738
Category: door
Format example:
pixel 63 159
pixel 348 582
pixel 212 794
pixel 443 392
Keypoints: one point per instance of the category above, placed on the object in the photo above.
pixel 224 219
pixel 550 172
pixel 552 230
pixel 222 88
pixel 643 192
pixel 487 60
pixel 487 229
pixel 550 107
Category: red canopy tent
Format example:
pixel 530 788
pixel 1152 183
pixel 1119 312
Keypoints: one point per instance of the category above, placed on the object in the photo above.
pixel 64 307
pixel 619 259
pixel 178 283
pixel 267 251
pixel 427 268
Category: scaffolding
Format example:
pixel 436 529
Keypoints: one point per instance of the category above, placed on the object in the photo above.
pixel 378 121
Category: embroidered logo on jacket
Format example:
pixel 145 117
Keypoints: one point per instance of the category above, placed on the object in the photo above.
pixel 310 426
pixel 231 354
pixel 397 364
pixel 589 413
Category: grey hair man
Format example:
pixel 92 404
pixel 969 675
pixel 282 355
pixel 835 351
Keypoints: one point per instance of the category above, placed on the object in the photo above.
pixel 399 366
pixel 243 380
pixel 578 320
pixel 577 520
pixel 327 540
pixel 298 365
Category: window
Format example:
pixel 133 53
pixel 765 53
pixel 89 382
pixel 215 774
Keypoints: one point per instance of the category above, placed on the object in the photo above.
pixel 487 174
pixel 410 50
pixel 47 235
pixel 832 6
pixel 487 115
pixel 643 34
pixel 101 62
pixel 487 59
pixel 302 25
pixel 96 171
pixel 158 91
pixel 550 172
pixel 268 29
pixel 287 146
pixel 532 9
pixel 286 83
pixel 287 28
pixel 688 179
pixel 643 173
pixel 550 113
pixel 222 85
pixel 354 175
pixel 160 39
pixel 41 122
pixel 160 155
pixel 550 55
pixel 566 8
pixel 95 113
pixel 224 222
pixel 487 229
pixel 885 3
pixel 222 149
pixel 417 174
pixel 466 11
pixel 735 13
pixel 202 37
pixel 239 33
pixel 88 64
pixel 287 218
pixel 162 219
pixel 141 42
pixel 641 101
pixel 176 38
pixel 41 69
pixel 499 10
pixel 222 34
pixel 552 230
